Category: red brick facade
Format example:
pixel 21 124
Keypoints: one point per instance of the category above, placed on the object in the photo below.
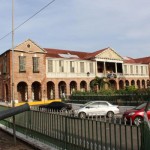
pixel 27 78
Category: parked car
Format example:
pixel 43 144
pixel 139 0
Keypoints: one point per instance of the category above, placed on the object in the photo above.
pixel 136 114
pixel 56 106
pixel 97 108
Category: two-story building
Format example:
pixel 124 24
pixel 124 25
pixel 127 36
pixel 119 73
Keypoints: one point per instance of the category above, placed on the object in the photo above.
pixel 44 73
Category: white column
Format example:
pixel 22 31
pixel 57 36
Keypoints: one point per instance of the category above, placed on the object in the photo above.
pixel 104 68
pixel 96 68
pixel 116 68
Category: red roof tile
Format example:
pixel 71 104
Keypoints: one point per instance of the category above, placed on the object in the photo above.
pixel 92 55
pixel 128 60
pixel 57 53
pixel 144 60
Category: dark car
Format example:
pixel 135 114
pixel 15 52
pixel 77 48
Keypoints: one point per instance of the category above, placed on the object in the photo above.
pixel 56 106
pixel 136 114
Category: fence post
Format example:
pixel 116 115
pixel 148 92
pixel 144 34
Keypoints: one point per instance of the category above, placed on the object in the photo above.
pixel 28 131
pixel 65 132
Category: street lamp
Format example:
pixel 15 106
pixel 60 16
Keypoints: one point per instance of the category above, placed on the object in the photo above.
pixel 88 73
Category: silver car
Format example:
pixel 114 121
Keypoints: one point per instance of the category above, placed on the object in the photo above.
pixel 97 108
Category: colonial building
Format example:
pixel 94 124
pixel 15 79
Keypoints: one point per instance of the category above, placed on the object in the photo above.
pixel 43 73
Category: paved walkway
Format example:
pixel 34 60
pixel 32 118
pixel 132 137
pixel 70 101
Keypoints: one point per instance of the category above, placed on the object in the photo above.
pixel 7 143
pixel 36 144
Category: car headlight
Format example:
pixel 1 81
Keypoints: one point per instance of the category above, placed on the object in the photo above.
pixel 132 113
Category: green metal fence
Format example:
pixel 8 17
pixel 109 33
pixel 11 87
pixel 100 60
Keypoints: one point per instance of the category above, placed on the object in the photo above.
pixel 145 136
pixel 122 100
pixel 145 130
pixel 66 132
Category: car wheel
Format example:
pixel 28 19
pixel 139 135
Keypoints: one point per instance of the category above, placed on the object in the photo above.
pixel 82 115
pixel 138 120
pixel 110 114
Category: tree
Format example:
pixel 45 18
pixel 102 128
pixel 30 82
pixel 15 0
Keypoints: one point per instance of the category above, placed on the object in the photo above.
pixel 99 83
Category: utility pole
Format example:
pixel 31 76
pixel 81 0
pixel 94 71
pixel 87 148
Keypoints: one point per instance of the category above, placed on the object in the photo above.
pixel 13 102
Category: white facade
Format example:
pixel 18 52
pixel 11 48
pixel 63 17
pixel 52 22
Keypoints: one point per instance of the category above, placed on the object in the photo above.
pixel 135 70
pixel 81 68
pixel 70 68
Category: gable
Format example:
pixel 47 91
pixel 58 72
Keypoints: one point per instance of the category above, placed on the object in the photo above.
pixel 109 54
pixel 30 47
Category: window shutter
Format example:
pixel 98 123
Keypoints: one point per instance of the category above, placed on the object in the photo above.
pixel 35 64
pixel 22 63
pixel 71 66
pixel 61 66
pixel 4 65
pixel 50 66
pixel 91 68
pixel 82 67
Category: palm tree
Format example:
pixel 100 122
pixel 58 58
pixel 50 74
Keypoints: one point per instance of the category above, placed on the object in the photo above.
pixel 99 83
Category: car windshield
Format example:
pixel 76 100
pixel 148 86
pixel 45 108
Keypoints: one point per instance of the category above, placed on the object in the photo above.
pixel 140 106
pixel 91 103
pixel 85 104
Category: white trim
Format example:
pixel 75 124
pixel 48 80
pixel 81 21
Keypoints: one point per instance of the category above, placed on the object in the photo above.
pixel 108 60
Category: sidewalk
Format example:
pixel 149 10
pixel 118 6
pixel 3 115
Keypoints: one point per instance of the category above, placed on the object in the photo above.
pixel 7 143
pixel 33 144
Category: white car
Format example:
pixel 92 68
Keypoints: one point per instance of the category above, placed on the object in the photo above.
pixel 97 108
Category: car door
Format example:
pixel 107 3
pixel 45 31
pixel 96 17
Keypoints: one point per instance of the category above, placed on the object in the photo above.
pixel 92 109
pixel 148 112
pixel 103 108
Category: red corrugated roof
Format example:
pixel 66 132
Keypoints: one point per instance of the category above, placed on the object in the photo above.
pixel 92 55
pixel 56 53
pixel 144 60
pixel 81 55
pixel 128 60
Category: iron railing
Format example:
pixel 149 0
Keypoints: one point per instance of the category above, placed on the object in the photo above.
pixel 67 132
pixel 121 100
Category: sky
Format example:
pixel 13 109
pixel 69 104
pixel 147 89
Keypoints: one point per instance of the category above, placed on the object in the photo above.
pixel 79 25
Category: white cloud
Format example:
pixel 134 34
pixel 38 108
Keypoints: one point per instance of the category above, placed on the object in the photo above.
pixel 81 25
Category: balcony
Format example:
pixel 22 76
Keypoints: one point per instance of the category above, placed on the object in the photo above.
pixel 111 75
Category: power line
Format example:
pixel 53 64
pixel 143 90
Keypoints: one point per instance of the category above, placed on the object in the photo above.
pixel 28 19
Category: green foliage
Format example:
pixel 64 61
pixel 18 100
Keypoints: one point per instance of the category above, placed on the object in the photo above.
pixel 130 88
pixel 106 92
pixel 100 82
pixel 102 91
pixel 80 93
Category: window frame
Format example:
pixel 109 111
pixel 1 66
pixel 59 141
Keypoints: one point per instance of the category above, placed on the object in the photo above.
pixel 35 64
pixel 82 69
pixel 91 67
pixel 50 66
pixel 4 65
pixel 22 63
pixel 61 66
pixel 72 70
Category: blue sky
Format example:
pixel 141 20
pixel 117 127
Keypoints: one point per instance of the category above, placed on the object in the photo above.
pixel 80 25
